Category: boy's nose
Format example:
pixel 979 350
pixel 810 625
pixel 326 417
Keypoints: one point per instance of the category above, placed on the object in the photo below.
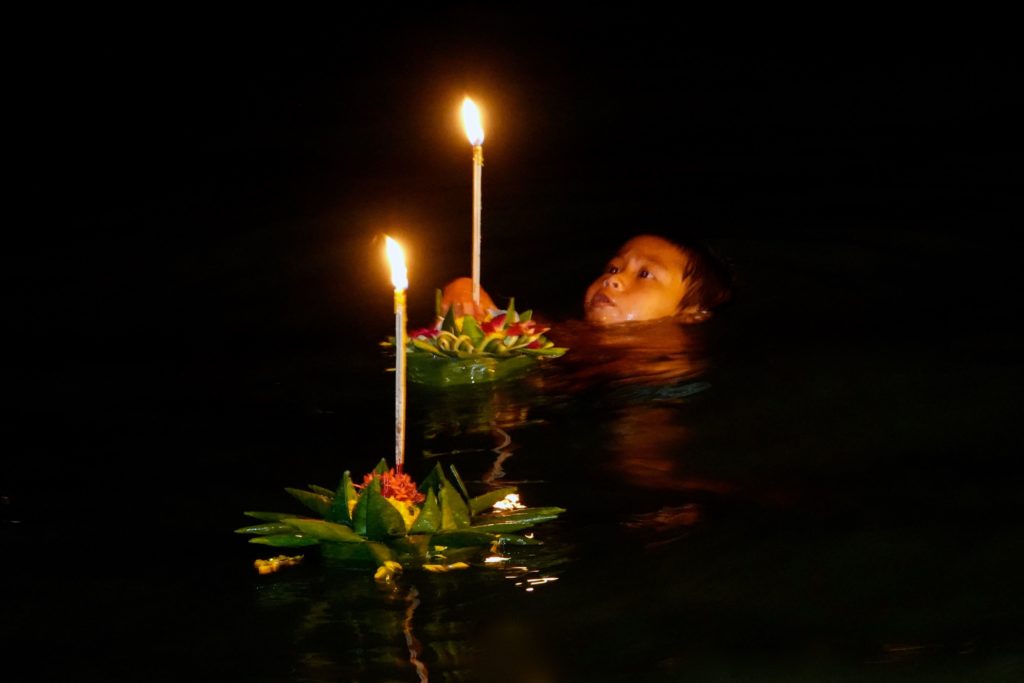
pixel 612 281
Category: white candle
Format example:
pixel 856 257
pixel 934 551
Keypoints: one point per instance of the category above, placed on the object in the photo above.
pixel 475 133
pixel 400 281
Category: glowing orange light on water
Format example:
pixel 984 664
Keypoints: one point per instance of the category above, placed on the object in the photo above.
pixel 509 502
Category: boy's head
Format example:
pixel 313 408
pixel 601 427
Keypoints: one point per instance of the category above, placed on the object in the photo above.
pixel 651 278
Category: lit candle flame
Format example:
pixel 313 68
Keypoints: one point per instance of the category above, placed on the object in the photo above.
pixel 471 119
pixel 396 258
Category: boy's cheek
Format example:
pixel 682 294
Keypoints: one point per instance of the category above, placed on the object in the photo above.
pixel 649 305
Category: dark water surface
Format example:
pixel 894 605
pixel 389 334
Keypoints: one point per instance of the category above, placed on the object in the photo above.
pixel 821 483
pixel 824 490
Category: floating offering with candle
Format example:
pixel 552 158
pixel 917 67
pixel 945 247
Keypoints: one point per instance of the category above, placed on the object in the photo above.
pixel 463 350
pixel 472 343
pixel 389 523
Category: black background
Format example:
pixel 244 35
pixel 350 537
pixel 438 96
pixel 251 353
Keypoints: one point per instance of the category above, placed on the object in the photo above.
pixel 195 184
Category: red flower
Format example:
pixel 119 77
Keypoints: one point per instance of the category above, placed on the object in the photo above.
pixel 535 344
pixel 398 486
pixel 493 325
pixel 527 328
pixel 428 332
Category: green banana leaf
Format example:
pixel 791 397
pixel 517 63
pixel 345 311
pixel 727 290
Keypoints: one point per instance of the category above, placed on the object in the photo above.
pixel 339 511
pixel 516 516
pixel 316 502
pixel 359 511
pixel 325 531
pixel 448 322
pixel 267 528
pixel 383 521
pixel 429 519
pixel 322 490
pixel 432 482
pixel 458 482
pixel 454 511
pixel 284 540
pixel 511 526
pixel 552 352
pixel 349 554
pixel 471 329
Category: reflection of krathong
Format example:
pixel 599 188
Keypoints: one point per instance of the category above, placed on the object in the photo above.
pixel 389 522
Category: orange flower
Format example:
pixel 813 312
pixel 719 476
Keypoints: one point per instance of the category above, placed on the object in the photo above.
pixel 395 485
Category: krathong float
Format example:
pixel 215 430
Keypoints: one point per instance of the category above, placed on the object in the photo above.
pixel 389 523
pixel 462 350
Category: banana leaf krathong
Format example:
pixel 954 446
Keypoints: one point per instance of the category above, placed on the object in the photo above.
pixel 389 522
pixel 462 350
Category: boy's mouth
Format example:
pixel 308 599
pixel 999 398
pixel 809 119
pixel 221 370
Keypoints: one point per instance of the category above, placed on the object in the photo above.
pixel 600 299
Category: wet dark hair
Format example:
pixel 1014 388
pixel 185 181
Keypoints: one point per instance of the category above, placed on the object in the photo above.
pixel 710 277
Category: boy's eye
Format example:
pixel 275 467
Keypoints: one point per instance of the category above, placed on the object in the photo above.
pixel 613 269
pixel 644 273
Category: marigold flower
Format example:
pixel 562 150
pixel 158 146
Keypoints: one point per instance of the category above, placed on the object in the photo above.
pixel 396 485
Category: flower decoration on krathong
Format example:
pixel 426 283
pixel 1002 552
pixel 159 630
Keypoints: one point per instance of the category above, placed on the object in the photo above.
pixel 504 335
pixel 389 523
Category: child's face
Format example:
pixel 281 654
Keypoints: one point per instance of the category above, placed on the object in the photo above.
pixel 644 281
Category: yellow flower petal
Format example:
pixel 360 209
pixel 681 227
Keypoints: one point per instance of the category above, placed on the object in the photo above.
pixel 408 511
